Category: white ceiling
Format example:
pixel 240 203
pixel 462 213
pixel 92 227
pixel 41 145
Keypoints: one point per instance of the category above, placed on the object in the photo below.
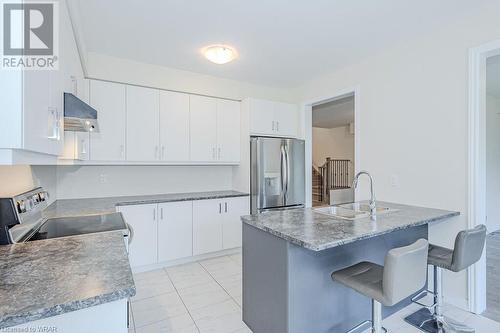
pixel 281 43
pixel 493 76
pixel 334 114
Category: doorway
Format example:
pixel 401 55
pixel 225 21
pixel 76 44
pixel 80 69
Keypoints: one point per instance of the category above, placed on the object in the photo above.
pixel 484 128
pixel 333 151
pixel 345 166
pixel 493 188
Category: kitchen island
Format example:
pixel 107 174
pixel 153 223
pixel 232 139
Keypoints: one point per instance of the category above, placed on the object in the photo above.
pixel 289 255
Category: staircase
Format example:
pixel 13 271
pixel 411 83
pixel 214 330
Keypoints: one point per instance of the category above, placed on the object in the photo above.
pixel 317 196
pixel 332 175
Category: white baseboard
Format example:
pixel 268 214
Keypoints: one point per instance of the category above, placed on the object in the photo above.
pixel 186 260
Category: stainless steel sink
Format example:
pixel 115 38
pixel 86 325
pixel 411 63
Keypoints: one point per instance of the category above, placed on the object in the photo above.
pixel 363 207
pixel 341 212
pixel 351 211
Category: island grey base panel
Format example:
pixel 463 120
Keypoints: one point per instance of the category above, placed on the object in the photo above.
pixel 288 289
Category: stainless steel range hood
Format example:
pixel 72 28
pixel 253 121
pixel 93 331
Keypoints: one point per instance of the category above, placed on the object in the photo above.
pixel 78 115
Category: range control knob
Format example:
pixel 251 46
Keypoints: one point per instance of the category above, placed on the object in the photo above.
pixel 21 206
pixel 28 204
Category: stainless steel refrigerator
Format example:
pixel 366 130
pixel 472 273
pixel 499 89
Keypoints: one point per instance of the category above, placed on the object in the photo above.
pixel 277 172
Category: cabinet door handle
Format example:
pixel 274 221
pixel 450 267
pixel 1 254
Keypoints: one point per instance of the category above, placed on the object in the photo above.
pixel 54 117
pixel 156 152
pixel 84 147
pixel 220 208
pixel 219 153
pixel 277 126
pixel 213 153
pixel 162 152
pixel 161 213
pixel 75 84
pixel 225 207
pixel 273 125
pixel 154 214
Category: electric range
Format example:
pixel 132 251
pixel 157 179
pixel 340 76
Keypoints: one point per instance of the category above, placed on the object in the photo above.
pixel 22 220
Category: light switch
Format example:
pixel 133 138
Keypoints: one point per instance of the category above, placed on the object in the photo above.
pixel 395 181
pixel 103 178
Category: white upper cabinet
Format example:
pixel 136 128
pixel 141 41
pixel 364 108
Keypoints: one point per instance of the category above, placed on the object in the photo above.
pixel 138 124
pixel 215 130
pixel 109 100
pixel 261 116
pixel 31 132
pixel 143 131
pixel 228 131
pixel 286 119
pixel 203 120
pixel 40 118
pixel 174 126
pixel 273 118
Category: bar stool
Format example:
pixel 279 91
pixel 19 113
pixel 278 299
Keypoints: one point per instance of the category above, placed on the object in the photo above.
pixel 403 274
pixel 467 251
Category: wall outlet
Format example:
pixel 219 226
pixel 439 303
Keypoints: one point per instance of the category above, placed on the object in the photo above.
pixel 395 181
pixel 103 179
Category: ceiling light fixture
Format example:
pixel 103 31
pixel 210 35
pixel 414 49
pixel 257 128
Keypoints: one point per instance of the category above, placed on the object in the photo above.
pixel 220 54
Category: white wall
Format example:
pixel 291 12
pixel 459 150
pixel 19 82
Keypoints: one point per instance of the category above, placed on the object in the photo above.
pixel 128 71
pixel 336 143
pixel 413 121
pixel 85 181
pixel 492 163
pixel 21 178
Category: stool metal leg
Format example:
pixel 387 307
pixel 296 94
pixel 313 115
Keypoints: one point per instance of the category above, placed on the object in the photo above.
pixel 435 322
pixel 376 322
pixel 376 317
pixel 438 293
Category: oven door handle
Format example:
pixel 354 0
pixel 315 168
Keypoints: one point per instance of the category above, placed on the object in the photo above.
pixel 130 233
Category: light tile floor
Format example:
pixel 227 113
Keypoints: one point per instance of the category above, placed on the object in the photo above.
pixel 205 297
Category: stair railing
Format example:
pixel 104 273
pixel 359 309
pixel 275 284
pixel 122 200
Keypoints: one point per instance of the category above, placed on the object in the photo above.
pixel 334 175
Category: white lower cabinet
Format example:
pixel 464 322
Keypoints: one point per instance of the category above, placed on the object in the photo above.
pixel 175 230
pixel 234 208
pixel 207 226
pixel 217 224
pixel 143 220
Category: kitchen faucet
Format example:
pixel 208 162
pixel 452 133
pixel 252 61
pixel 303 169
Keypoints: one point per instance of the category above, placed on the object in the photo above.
pixel 373 206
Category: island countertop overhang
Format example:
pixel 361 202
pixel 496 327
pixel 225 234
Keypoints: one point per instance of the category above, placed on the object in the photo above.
pixel 315 231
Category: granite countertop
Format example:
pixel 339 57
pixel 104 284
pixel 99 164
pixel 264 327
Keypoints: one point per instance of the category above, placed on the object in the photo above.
pixel 312 230
pixel 94 206
pixel 46 278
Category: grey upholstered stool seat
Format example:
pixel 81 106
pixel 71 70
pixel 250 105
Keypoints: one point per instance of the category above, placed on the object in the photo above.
pixel 403 274
pixel 440 256
pixel 467 250
pixel 365 278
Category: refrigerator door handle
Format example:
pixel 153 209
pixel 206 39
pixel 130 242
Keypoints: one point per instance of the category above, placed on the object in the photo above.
pixel 287 159
pixel 283 171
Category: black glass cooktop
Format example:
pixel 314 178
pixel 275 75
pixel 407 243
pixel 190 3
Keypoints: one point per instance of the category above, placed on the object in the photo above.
pixel 71 226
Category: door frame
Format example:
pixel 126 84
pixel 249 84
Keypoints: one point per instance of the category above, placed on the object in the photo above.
pixel 476 212
pixel 307 132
